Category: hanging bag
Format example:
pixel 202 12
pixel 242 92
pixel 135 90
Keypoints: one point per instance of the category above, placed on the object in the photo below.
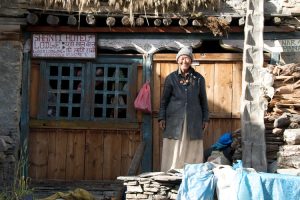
pixel 143 99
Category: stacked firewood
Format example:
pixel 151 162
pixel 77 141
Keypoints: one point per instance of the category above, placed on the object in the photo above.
pixel 282 115
pixel 282 119
pixel 152 185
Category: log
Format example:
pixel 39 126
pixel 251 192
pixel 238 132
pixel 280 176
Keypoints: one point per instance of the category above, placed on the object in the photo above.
pixel 283 121
pixel 72 21
pixel 90 19
pixel 157 22
pixel 125 21
pixel 167 21
pixel 136 161
pixel 197 23
pixel 183 21
pixel 291 136
pixel 110 21
pixel 289 156
pixel 32 18
pixel 52 20
pixel 139 21
pixel 277 21
pixel 242 21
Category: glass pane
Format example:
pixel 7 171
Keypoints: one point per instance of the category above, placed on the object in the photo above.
pixel 52 98
pixel 110 85
pixel 53 84
pixel 99 99
pixel 77 85
pixel 123 72
pixel 63 112
pixel 65 84
pixel 122 113
pixel 51 111
pixel 77 72
pixel 109 113
pixel 98 112
pixel 124 99
pixel 64 98
pixel 123 86
pixel 110 98
pixel 53 70
pixel 76 98
pixel 65 71
pixel 111 72
pixel 75 111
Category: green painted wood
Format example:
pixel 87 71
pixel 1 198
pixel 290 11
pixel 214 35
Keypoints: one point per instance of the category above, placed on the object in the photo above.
pixel 147 119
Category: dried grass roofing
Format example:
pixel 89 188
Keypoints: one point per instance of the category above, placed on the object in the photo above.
pixel 127 6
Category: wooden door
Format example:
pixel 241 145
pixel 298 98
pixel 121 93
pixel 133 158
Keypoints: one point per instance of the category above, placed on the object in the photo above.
pixel 223 75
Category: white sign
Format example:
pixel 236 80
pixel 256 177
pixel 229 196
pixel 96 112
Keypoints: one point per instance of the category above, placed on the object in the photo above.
pixel 64 45
pixel 290 45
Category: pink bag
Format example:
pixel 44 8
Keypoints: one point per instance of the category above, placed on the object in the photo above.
pixel 143 100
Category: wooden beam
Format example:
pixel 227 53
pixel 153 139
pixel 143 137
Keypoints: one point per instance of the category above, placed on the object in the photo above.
pixel 136 161
pixel 169 29
pixel 83 124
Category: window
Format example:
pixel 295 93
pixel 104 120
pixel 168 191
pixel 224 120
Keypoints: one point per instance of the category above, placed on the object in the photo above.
pixel 87 91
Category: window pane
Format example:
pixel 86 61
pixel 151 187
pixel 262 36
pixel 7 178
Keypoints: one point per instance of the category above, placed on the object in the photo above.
pixel 122 113
pixel 76 112
pixel 76 98
pixel 98 112
pixel 63 112
pixel 65 84
pixel 64 98
pixel 53 84
pixel 65 71
pixel 99 99
pixel 53 71
pixel 109 113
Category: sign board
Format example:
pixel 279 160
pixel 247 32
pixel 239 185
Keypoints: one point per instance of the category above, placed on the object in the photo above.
pixel 63 45
pixel 289 45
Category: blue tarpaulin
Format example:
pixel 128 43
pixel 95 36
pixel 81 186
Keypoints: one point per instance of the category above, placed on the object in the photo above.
pixel 199 183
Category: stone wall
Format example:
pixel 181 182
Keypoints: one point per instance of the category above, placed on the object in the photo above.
pixel 10 99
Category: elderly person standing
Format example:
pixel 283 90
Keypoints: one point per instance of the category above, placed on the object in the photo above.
pixel 183 114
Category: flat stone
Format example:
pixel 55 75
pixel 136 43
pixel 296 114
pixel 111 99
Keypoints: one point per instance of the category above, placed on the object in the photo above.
pixel 134 189
pixel 142 196
pixel 128 178
pixel 149 189
pixel 167 178
pixel 290 171
pixel 131 183
pixel 149 174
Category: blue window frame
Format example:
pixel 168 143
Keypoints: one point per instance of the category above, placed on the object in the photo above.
pixel 98 90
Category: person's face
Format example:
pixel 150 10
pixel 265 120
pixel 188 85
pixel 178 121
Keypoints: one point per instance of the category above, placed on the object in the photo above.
pixel 184 62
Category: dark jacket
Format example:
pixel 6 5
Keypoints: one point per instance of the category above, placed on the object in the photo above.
pixel 184 96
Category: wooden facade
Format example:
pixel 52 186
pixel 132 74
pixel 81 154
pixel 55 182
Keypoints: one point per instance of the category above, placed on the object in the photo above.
pixel 222 73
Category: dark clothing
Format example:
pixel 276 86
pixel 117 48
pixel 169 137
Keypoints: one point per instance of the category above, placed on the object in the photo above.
pixel 184 95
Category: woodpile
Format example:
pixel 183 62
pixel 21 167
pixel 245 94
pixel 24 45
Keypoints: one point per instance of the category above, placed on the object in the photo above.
pixel 152 185
pixel 283 117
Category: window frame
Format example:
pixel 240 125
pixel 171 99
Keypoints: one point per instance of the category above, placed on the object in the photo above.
pixel 87 103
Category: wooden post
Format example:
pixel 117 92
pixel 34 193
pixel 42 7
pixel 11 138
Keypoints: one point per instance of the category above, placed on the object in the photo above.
pixel 252 100
pixel 110 21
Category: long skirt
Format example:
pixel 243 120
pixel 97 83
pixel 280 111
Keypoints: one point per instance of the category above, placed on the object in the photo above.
pixel 176 153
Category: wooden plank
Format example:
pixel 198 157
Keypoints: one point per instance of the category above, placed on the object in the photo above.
pixel 75 155
pixel 156 85
pixel 112 155
pixel 34 88
pixel 94 155
pixel 208 71
pixel 107 124
pixel 223 88
pixel 236 89
pixel 38 154
pixel 156 145
pixel 235 124
pixel 165 70
pixel 220 126
pixel 200 57
pixel 57 154
pixel 208 136
pixel 125 152
pixel 133 169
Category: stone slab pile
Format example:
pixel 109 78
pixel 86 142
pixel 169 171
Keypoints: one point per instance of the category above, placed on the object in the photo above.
pixel 152 185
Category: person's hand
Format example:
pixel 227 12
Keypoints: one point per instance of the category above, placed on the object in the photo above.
pixel 162 124
pixel 205 126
